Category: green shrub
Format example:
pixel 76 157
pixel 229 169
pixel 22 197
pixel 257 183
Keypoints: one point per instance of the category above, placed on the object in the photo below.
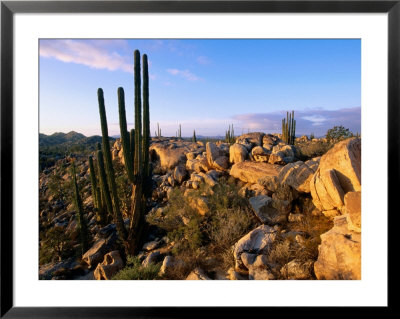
pixel 309 150
pixel 135 271
pixel 56 246
pixel 338 133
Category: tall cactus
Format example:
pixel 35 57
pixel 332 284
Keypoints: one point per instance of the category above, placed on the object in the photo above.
pixel 180 132
pixel 289 128
pixel 105 190
pixel 101 218
pixel 125 137
pixel 136 154
pixel 109 167
pixel 83 229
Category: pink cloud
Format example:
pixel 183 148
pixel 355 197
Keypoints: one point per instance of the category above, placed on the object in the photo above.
pixel 97 54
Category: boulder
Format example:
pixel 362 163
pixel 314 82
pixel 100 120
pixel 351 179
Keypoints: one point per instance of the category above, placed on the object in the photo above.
pixel 217 156
pixel 260 154
pixel 111 264
pixel 237 153
pixel 339 254
pixel 269 182
pixel 250 140
pixel 180 174
pixel 298 175
pixel 352 202
pixel 268 210
pixel 168 155
pixel 251 172
pixel 258 242
pixel 198 274
pixel 297 270
pixel 96 253
pixel 339 172
pixel 152 258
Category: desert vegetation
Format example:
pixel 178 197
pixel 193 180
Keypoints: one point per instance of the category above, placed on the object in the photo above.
pixel 254 206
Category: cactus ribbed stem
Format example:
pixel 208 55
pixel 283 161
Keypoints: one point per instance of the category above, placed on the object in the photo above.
pixel 83 230
pixel 146 118
pixel 105 191
pixel 109 166
pixel 101 218
pixel 124 134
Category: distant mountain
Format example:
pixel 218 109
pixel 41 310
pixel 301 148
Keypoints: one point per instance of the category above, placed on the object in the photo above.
pixel 67 140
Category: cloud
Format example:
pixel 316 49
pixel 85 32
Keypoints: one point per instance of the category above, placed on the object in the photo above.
pixel 308 121
pixel 97 54
pixel 186 74
pixel 203 60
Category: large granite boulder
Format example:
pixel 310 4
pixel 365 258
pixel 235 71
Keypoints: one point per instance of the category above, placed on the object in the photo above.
pixel 257 242
pixel 251 172
pixel 237 153
pixel 298 175
pixel 169 154
pixel 250 140
pixel 339 254
pixel 217 157
pixel 111 264
pixel 268 210
pixel 339 172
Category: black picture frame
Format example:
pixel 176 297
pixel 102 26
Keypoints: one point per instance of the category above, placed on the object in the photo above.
pixel 9 8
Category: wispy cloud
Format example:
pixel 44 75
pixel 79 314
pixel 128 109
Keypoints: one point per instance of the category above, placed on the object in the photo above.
pixel 186 74
pixel 316 121
pixel 97 54
pixel 203 60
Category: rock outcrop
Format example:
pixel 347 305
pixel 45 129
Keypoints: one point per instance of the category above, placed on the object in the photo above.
pixel 339 253
pixel 111 264
pixel 339 172
pixel 251 172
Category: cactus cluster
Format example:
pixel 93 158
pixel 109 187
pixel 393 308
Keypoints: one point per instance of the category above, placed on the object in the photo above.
pixel 230 135
pixel 135 146
pixel 289 128
pixel 99 204
pixel 158 133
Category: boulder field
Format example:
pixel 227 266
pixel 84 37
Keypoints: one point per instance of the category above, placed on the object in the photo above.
pixel 274 181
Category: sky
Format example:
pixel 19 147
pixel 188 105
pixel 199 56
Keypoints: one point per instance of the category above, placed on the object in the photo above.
pixel 204 85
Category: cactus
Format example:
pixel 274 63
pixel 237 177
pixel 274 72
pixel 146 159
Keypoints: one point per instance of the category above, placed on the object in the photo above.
pixel 83 229
pixel 101 218
pixel 179 133
pixel 194 136
pixel 158 133
pixel 105 191
pixel 230 135
pixel 136 155
pixel 125 137
pixel 289 128
pixel 109 167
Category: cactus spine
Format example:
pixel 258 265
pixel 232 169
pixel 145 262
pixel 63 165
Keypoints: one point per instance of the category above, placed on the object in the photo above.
pixel 289 128
pixel 110 169
pixel 81 217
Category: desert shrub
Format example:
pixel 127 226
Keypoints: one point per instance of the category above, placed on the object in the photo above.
pixel 211 236
pixel 338 133
pixel 286 248
pixel 134 270
pixel 309 150
pixel 55 246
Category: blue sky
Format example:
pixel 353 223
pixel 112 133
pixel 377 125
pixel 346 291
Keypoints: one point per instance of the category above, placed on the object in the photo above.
pixel 204 85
